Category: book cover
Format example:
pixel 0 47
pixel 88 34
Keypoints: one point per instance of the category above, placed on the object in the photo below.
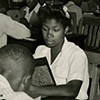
pixel 42 75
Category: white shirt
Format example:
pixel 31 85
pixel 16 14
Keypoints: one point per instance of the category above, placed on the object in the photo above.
pixel 70 64
pixel 28 15
pixel 11 28
pixel 7 93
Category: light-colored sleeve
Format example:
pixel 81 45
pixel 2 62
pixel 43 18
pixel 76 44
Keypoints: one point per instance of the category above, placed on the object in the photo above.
pixel 16 29
pixel 39 52
pixel 23 96
pixel 78 67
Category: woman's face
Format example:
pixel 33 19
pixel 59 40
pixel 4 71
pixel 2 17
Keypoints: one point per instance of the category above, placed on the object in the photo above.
pixel 53 32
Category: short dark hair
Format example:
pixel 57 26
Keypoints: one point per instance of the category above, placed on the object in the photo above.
pixel 16 52
pixel 52 12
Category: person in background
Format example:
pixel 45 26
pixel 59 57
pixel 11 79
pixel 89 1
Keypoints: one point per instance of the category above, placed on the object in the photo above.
pixel 73 6
pixel 98 5
pixel 30 11
pixel 16 68
pixel 68 63
pixel 90 6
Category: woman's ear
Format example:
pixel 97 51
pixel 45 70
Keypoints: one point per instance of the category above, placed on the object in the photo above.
pixel 66 29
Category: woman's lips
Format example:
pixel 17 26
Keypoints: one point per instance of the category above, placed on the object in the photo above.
pixel 49 41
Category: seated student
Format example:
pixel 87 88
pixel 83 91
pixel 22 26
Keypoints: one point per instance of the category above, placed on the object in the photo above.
pixel 30 11
pixel 12 28
pixel 67 61
pixel 16 68
pixel 73 7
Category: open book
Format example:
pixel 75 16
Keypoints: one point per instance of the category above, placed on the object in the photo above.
pixel 42 75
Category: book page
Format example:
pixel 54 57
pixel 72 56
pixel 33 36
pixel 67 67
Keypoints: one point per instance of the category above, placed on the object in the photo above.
pixel 42 75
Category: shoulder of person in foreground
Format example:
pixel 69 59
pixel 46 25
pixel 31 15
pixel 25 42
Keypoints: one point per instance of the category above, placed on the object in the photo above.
pixel 14 28
pixel 7 92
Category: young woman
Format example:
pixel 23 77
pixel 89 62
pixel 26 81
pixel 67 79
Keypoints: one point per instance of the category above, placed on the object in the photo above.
pixel 67 61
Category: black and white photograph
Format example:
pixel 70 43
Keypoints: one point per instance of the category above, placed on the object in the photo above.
pixel 49 49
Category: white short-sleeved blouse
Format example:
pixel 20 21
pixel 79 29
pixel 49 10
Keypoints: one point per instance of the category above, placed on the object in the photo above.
pixel 70 64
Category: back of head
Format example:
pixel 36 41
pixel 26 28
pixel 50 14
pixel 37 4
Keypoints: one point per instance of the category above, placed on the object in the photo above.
pixel 16 61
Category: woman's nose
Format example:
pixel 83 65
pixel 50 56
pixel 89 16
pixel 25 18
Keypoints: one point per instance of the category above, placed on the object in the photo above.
pixel 50 34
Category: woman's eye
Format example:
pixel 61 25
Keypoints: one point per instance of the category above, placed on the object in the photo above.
pixel 56 30
pixel 45 29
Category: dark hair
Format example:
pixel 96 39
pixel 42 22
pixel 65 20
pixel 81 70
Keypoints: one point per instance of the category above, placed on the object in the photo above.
pixel 52 12
pixel 16 52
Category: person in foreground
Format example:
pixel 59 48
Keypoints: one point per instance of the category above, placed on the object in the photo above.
pixel 67 61
pixel 14 29
pixel 16 69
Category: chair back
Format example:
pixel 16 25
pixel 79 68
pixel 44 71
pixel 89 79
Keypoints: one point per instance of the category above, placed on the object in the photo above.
pixel 73 22
pixel 90 26
pixel 94 75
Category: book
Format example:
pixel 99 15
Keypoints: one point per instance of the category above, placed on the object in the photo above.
pixel 42 75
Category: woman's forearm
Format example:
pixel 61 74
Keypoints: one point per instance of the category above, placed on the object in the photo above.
pixel 70 90
pixel 55 91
